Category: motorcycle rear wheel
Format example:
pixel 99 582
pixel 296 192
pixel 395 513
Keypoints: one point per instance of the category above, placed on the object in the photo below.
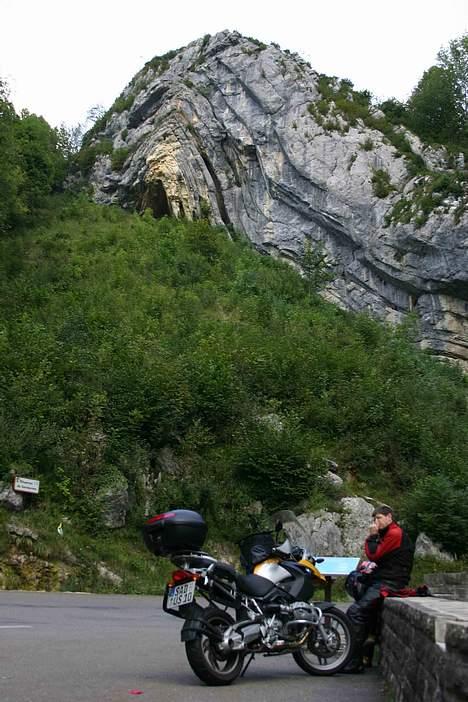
pixel 206 660
pixel 319 658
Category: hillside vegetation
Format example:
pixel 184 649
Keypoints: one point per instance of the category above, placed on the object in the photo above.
pixel 125 339
pixel 122 335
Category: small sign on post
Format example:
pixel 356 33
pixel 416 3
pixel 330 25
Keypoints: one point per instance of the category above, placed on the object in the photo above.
pixel 26 485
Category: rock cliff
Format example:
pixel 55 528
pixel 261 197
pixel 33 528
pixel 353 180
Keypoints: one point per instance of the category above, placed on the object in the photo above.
pixel 254 139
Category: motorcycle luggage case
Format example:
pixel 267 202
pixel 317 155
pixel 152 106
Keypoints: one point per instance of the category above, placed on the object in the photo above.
pixel 178 530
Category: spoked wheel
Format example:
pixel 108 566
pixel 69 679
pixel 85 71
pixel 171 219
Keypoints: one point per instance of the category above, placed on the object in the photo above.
pixel 208 662
pixel 326 656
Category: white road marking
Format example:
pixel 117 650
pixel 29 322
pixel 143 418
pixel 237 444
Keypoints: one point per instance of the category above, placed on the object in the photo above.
pixel 15 626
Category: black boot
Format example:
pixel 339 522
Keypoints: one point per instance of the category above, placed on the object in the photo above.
pixel 356 663
pixel 368 650
pixel 355 666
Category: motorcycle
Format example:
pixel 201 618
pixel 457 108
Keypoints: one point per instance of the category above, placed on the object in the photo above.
pixel 265 611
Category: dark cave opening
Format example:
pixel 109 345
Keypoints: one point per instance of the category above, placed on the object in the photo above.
pixel 154 197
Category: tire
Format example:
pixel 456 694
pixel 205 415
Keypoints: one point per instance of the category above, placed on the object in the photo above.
pixel 206 661
pixel 315 657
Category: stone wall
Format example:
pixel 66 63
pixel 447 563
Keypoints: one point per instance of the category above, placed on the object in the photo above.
pixel 453 586
pixel 425 649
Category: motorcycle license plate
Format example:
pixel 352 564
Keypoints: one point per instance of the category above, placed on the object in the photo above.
pixel 181 594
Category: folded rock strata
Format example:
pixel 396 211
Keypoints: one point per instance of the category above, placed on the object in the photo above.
pixel 230 129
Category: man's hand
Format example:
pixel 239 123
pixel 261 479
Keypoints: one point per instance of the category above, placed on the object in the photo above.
pixel 373 530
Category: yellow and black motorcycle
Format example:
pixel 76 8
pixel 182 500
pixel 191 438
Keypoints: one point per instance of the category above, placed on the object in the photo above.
pixel 266 611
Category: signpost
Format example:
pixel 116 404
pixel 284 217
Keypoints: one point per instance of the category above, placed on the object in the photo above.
pixel 25 485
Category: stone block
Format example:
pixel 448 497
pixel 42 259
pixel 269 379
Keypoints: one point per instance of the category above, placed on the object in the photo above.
pixel 456 639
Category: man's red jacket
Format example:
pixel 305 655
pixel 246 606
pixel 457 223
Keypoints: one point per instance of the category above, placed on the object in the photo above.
pixel 393 552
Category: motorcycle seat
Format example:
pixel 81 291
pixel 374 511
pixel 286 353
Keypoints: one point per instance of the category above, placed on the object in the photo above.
pixel 254 585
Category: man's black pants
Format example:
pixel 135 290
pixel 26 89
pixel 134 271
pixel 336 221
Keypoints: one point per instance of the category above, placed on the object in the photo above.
pixel 362 615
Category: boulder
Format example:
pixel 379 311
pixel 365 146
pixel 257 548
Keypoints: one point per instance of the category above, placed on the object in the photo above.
pixel 333 479
pixel 21 532
pixel 106 574
pixel 13 501
pixel 355 522
pixel 336 533
pixel 426 547
pixel 325 537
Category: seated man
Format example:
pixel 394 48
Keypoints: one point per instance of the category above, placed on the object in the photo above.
pixel 391 549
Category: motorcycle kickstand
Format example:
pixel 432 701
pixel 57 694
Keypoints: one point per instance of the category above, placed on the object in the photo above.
pixel 252 656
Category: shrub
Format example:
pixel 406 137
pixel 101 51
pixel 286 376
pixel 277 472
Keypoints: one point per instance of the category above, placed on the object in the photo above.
pixel 437 506
pixel 381 184
pixel 122 334
pixel 367 145
pixel 277 460
pixel 118 158
pixel 123 103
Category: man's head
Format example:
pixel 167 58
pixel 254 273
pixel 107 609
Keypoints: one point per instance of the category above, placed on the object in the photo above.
pixel 382 516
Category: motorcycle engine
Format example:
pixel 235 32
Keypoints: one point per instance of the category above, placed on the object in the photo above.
pixel 304 610
pixel 301 616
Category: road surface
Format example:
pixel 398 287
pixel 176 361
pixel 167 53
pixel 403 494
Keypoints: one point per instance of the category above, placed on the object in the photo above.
pixel 70 647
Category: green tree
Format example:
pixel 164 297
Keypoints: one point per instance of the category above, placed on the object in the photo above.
pixel 33 162
pixel 454 59
pixel 42 162
pixel 11 175
pixel 438 107
pixel 433 111
pixel 437 506
pixel 317 271
pixel 395 111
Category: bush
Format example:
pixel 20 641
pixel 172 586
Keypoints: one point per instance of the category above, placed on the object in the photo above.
pixel 437 506
pixel 367 145
pixel 277 460
pixel 381 184
pixel 121 335
pixel 123 103
pixel 118 158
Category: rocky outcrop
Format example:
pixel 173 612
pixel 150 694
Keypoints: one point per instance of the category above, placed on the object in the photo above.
pixel 343 533
pixel 340 533
pixel 11 500
pixel 425 547
pixel 245 135
pixel 114 504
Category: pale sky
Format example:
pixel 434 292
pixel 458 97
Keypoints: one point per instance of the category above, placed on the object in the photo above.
pixel 60 58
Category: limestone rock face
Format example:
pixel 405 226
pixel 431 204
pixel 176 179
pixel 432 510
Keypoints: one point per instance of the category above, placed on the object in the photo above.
pixel 228 129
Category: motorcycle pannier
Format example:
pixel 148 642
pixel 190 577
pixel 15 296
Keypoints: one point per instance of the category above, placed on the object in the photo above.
pixel 174 531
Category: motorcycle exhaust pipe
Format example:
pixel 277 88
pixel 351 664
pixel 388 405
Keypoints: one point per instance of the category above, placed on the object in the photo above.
pixel 237 640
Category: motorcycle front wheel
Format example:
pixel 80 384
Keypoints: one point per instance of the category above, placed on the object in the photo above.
pixel 327 657
pixel 211 665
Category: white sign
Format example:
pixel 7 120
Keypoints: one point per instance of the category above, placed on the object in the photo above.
pixel 26 485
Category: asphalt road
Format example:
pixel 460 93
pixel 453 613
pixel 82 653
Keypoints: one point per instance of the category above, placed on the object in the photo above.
pixel 61 647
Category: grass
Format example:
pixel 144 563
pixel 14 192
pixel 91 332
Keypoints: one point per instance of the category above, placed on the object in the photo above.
pixel 424 565
pixel 77 554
